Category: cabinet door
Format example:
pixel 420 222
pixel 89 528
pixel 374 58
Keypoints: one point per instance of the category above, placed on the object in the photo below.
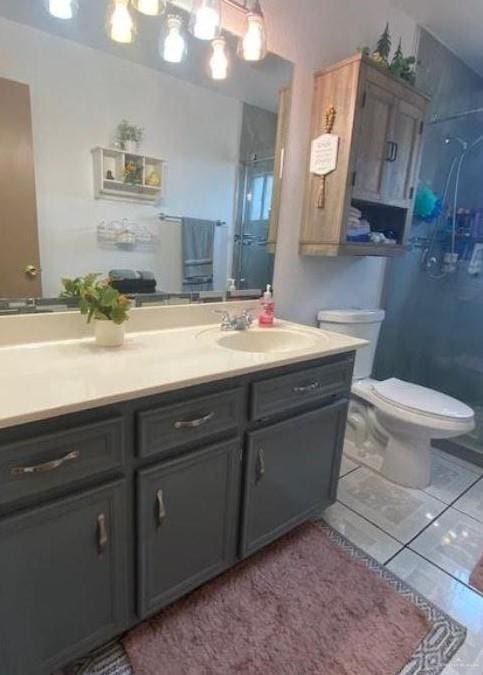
pixel 373 150
pixel 62 580
pixel 292 472
pixel 405 140
pixel 187 523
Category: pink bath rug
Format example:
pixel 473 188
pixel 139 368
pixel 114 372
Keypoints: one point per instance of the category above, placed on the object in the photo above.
pixel 303 606
pixel 476 578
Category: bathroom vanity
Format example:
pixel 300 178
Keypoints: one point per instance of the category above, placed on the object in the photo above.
pixel 111 511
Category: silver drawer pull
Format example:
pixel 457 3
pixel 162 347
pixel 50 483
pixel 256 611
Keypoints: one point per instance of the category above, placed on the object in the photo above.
pixel 306 389
pixel 102 538
pixel 260 465
pixel 194 424
pixel 161 507
pixel 45 468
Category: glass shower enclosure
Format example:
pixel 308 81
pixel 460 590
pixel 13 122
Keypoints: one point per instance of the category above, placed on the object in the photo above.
pixel 433 333
pixel 253 265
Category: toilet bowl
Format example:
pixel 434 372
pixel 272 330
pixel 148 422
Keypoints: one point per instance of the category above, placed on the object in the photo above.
pixel 391 423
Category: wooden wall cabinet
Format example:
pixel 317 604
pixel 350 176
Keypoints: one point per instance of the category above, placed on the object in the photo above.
pixel 380 121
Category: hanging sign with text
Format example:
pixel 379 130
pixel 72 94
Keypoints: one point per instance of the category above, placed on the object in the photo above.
pixel 323 155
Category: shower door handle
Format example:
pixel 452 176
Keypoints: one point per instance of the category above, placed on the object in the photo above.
pixel 392 151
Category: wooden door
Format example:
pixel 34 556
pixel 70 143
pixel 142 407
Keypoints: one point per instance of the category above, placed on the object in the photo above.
pixel 373 149
pixel 405 141
pixel 62 580
pixel 291 473
pixel 19 246
pixel 187 527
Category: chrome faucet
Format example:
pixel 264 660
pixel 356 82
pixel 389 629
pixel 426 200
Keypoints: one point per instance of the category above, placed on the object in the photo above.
pixel 239 323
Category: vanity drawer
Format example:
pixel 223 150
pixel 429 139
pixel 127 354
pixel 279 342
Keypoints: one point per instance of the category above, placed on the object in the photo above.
pixel 183 424
pixel 295 390
pixel 37 465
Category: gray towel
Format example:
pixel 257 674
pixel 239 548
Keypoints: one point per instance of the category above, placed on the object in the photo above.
pixel 198 242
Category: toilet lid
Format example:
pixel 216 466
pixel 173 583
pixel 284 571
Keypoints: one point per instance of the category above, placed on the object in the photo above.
pixel 421 400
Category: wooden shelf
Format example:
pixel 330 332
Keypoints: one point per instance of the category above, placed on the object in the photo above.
pixel 353 248
pixel 115 161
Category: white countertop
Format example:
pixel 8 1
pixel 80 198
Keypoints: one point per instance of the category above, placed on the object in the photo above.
pixel 42 380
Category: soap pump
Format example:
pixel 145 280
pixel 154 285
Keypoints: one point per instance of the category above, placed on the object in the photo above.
pixel 267 315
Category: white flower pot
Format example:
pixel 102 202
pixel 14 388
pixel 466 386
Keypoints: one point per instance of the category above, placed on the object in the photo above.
pixel 131 147
pixel 108 333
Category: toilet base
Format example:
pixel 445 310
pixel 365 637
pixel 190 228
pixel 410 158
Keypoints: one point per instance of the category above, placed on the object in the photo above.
pixel 407 462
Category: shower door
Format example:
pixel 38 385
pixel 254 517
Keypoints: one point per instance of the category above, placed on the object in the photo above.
pixel 252 264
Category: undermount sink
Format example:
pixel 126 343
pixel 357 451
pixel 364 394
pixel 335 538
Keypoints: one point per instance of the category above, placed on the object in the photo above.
pixel 266 341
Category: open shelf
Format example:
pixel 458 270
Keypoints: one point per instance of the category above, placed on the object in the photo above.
pixel 134 177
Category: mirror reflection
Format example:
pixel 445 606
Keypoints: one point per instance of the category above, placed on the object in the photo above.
pixel 119 162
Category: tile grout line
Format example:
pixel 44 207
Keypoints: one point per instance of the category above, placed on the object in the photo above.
pixel 447 506
pixel 461 494
pixel 368 520
pixel 441 569
pixel 341 476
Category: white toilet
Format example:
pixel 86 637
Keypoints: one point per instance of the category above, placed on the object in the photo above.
pixel 391 423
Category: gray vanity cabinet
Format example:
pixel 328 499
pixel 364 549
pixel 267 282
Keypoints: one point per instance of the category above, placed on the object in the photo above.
pixel 62 579
pixel 187 522
pixel 108 515
pixel 290 469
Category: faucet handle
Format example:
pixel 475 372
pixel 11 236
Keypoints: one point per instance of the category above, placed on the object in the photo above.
pixel 226 320
pixel 247 314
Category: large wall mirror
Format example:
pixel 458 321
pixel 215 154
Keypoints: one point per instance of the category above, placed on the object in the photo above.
pixel 172 218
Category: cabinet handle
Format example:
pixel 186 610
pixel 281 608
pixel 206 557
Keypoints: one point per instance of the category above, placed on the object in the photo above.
pixel 102 538
pixel 194 424
pixel 392 153
pixel 307 388
pixel 48 466
pixel 161 507
pixel 260 465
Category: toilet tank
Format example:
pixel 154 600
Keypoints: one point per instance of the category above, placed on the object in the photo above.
pixel 359 323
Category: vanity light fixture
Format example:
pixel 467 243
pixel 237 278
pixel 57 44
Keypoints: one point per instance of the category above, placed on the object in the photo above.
pixel 253 45
pixel 120 22
pixel 150 7
pixel 172 43
pixel 62 9
pixel 219 61
pixel 205 22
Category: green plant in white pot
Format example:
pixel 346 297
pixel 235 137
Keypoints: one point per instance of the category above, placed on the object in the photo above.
pixel 100 302
pixel 129 136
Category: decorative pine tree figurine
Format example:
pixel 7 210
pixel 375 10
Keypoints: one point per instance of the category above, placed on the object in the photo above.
pixel 383 49
pixel 398 61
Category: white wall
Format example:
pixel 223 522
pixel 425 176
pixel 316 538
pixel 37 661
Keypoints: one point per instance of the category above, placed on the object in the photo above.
pixel 78 97
pixel 314 33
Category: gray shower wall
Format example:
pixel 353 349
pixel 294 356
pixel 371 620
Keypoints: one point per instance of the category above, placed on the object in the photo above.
pixel 433 332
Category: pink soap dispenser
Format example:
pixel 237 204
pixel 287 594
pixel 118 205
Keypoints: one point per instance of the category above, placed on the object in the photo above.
pixel 267 315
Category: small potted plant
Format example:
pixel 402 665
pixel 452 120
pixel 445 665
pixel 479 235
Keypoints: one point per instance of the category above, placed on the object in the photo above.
pixel 100 302
pixel 129 136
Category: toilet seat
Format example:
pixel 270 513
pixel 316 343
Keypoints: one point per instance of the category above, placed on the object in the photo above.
pixel 421 400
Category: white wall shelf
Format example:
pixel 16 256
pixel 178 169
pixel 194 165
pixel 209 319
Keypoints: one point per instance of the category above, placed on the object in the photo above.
pixel 119 187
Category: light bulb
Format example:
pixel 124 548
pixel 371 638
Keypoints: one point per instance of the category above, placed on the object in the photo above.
pixel 206 19
pixel 254 42
pixel 219 62
pixel 62 9
pixel 173 47
pixel 150 7
pixel 121 24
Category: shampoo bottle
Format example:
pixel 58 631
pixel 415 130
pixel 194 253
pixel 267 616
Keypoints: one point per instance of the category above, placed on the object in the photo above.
pixel 267 315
